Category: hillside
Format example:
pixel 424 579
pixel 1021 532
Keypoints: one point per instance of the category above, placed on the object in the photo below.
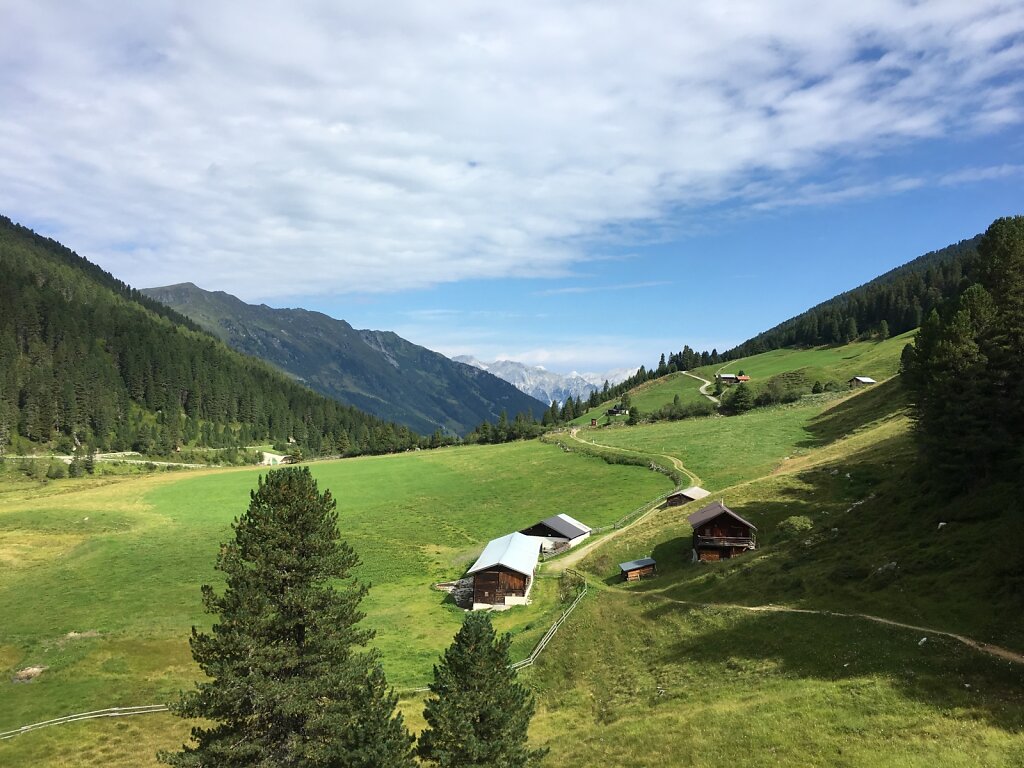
pixel 895 303
pixel 376 371
pixel 86 360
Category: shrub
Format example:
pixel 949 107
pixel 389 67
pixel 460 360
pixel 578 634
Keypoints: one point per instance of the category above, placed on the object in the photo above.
pixel 57 470
pixel 795 525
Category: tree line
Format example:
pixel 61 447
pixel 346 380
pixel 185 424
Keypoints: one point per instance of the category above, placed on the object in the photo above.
pixel 86 360
pixel 890 304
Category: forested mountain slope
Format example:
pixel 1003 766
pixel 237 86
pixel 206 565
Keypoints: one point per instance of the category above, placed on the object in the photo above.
pixel 84 359
pixel 376 371
pixel 892 303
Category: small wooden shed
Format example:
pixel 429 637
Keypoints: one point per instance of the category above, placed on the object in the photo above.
pixel 503 574
pixel 719 533
pixel 635 570
pixel 861 381
pixel 680 497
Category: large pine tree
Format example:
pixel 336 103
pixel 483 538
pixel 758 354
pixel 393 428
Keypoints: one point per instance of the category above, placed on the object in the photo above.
pixel 963 371
pixel 477 713
pixel 289 683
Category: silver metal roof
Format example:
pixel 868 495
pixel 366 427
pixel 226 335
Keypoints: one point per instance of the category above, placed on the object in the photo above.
pixel 515 551
pixel 566 526
pixel 632 565
pixel 693 493
pixel 864 379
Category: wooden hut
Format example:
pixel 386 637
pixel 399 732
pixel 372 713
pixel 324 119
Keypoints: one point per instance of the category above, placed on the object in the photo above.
pixel 719 533
pixel 635 570
pixel 558 531
pixel 503 574
pixel 680 497
pixel 861 381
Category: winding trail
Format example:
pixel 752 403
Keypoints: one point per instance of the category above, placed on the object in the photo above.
pixel 704 387
pixel 988 648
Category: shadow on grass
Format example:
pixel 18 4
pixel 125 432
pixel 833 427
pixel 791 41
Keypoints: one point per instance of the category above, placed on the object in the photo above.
pixel 940 673
pixel 878 402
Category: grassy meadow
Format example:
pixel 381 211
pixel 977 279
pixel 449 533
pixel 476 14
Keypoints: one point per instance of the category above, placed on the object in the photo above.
pixel 878 359
pixel 101 579
pixel 637 680
pixel 671 671
pixel 650 396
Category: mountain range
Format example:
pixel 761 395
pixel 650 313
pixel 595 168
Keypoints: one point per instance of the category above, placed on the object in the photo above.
pixel 545 385
pixel 376 371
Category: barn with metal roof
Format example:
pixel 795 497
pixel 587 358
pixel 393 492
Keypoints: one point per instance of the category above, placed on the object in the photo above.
pixel 558 531
pixel 503 574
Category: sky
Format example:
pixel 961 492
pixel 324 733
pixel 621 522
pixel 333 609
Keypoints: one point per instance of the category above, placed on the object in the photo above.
pixel 578 185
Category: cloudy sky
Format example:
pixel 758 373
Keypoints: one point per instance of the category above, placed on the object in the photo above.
pixel 578 185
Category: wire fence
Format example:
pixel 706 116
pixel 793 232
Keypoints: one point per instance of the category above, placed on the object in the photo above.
pixel 148 709
pixel 145 709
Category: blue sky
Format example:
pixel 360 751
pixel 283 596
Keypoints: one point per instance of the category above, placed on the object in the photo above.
pixel 577 185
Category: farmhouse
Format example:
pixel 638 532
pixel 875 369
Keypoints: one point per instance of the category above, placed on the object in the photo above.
pixel 678 498
pixel 558 531
pixel 861 381
pixel 635 570
pixel 727 378
pixel 742 377
pixel 719 533
pixel 503 574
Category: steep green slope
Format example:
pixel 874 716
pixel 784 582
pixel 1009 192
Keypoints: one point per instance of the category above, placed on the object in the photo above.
pixel 85 359
pixel 376 371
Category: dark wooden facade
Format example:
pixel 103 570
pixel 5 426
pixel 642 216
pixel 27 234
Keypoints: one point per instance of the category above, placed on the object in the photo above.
pixel 493 585
pixel 722 537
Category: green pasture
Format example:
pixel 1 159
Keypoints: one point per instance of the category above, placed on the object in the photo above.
pixel 724 451
pixel 637 680
pixel 878 359
pixel 650 396
pixel 101 579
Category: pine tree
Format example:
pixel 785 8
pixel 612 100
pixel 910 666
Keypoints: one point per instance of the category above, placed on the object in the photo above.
pixel 288 685
pixel 477 713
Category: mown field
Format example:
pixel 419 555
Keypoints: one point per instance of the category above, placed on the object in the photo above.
pixel 101 579
pixel 877 359
pixel 651 396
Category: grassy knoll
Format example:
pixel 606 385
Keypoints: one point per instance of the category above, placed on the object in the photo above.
pixel 121 563
pixel 877 359
pixel 650 396
pixel 638 680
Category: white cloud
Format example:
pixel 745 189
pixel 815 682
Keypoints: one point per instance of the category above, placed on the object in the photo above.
pixel 272 149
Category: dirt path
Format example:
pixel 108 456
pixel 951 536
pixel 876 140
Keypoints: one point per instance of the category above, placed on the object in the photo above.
pixel 987 648
pixel 703 387
pixel 676 463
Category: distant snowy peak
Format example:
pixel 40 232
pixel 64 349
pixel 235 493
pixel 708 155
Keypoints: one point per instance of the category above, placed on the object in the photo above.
pixel 470 360
pixel 546 385
pixel 613 377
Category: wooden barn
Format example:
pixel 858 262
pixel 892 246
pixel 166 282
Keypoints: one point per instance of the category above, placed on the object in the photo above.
pixel 719 533
pixel 727 378
pixel 861 381
pixel 558 531
pixel 503 574
pixel 635 570
pixel 680 497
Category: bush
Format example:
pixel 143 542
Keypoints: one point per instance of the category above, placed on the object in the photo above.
pixel 795 525
pixel 57 470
